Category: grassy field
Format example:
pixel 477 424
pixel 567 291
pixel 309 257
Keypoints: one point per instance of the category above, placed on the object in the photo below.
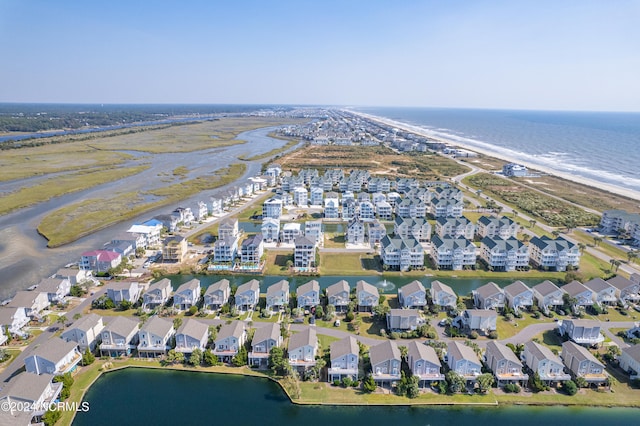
pixel 346 264
pixel 74 221
pixel 60 185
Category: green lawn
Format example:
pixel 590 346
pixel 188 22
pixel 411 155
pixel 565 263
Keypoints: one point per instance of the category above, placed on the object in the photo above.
pixel 346 264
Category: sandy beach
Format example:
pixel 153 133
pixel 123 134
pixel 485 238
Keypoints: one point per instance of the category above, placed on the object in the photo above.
pixel 629 193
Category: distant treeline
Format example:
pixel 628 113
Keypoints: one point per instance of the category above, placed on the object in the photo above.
pixel 42 122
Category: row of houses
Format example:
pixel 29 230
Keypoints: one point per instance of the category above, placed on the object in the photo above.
pixel 621 223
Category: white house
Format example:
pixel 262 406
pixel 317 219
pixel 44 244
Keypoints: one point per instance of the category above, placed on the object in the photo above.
pixel 518 296
pixel 443 296
pixel 247 295
pixel 85 332
pixel 157 294
pixel 303 347
pixel 217 294
pixel 154 337
pixel 278 296
pixel 54 356
pixel 412 295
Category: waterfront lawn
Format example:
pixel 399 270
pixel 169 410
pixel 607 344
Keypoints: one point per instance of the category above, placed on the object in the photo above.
pixel 592 267
pixel 345 263
pixel 334 240
pixel 276 262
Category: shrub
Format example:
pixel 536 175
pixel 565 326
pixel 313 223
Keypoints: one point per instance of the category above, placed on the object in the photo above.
pixel 570 387
pixel 473 335
pixel 493 335
pixel 349 317
pixel 336 382
pixel 511 388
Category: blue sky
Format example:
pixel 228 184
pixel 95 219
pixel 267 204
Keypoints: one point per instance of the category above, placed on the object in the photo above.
pixel 537 54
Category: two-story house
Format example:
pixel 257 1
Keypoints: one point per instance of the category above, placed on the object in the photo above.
pixel 303 348
pixel 541 360
pixel 488 296
pixel 187 295
pixel 345 355
pixel 278 296
pixel 308 294
pixel 157 294
pixel 424 363
pixel 217 294
pixel 119 337
pixel 504 364
pixel 265 338
pixel 338 295
pixel 385 362
pixel 412 295
pixel 581 363
pixel 191 335
pixel 229 340
pixel 367 296
pixel 85 332
pixel 443 296
pixel 548 295
pixel 155 337
pixel 463 360
pixel 247 295
pixel 519 296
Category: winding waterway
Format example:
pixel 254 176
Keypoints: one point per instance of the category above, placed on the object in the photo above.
pixel 24 256
pixel 144 396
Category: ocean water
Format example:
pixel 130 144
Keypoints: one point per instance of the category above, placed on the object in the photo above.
pixel 602 146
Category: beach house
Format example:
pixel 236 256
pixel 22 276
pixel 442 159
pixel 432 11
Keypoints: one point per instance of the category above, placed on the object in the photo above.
pixel 367 296
pixel 85 332
pixel 187 295
pixel 385 363
pixel 338 295
pixel 266 337
pixel 247 295
pixel 119 337
pixel 229 340
pixel 217 294
pixel 303 348
pixel 191 335
pixel 54 356
pixel 443 296
pixel 154 337
pixel 504 364
pixel 581 363
pixel 345 356
pixel 488 296
pixel 541 360
pixel 157 294
pixel 412 295
pixel 278 296
pixel 308 295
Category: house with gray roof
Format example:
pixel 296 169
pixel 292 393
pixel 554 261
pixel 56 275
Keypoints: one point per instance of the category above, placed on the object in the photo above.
pixel 278 296
pixel 581 331
pixel 504 364
pixel 489 296
pixel 303 348
pixel 31 391
pixel 403 319
pixel 187 295
pixel 119 337
pixel 124 291
pixel 155 337
pixel 424 363
pixel 157 294
pixel 345 355
pixel 463 360
pixel 229 340
pixel 504 227
pixel 455 227
pixel 308 294
pixel 265 338
pixel 482 320
pixel 412 295
pixel 541 360
pixel 443 296
pixel 581 363
pixel 13 320
pixel 385 362
pixel 85 332
pixel 504 255
pixel 192 335
pixel 33 302
pixel 401 254
pixel 630 361
pixel 367 296
pixel 626 290
pixel 579 294
pixel 417 228
pixel 338 295
pixel 217 294
pixel 555 254
pixel 247 295
pixel 54 356
pixel 603 292
pixel 453 253
pixel 519 296
pixel 548 296
pixel 55 288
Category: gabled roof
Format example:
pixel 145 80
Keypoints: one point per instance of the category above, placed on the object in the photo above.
pixel 221 285
pixel 253 240
pixel 121 326
pixel 50 285
pixel 500 351
pixel 158 326
pixel 302 240
pixel 54 349
pixel 7 314
pixel 580 353
pixel 452 243
pixel 252 286
pixel 383 352
pixel 268 331
pixel 515 288
pixel 27 386
pixel 312 285
pixel 620 282
pixel 490 220
pixel 282 285
pixel 482 313
pixel 559 244
pixel 417 350
pixel 193 328
pixel 461 351
pixel 546 288
pixel 190 285
pixel 597 285
pixel 304 338
pixel 633 352
pixel 160 285
pixel 102 255
pixel 441 287
pixel 86 323
pixel 24 299
pixel 488 290
pixel 542 352
pixel 236 328
pixel 404 313
pixel 509 244
pixel 413 287
pixel 574 288
pixel 338 287
pixel 348 345
pixel 365 286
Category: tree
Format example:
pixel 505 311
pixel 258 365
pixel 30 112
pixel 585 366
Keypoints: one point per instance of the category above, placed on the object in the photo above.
pixel 485 381
pixel 277 361
pixel 570 387
pixel 76 291
pixel 555 233
pixel 455 382
pixel 196 357
pixel 381 311
pixel 61 320
pixel 597 241
pixel 581 382
pixel 209 358
pixel 582 247
pixel 319 312
pixel 67 382
pixel 329 313
pixel 536 384
pixel 241 358
pixel 87 357
pixel 193 310
pixel 51 417
pixel 368 384
pixel 532 223
pixel 125 305
pixel 177 322
pixel 175 357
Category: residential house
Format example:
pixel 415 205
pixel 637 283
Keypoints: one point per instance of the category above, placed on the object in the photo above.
pixel 157 294
pixel 558 254
pixel 418 228
pixel 411 208
pixel 247 295
pixel 626 290
pixel 455 227
pixel 348 208
pixel 290 231
pixel 367 296
pixel 270 230
pixel 519 296
pixel 304 253
pixel 548 295
pixel 187 295
pixel 251 252
pixel 504 364
pixel 150 232
pixel 85 332
pixel 300 197
pixel 412 295
pixel 168 221
pixel 99 261
pixel 446 208
pixel 124 291
pixel 366 210
pixel 488 296
pixel 191 335
pixel 448 193
pixel 338 295
pixel 33 302
pixel 579 294
pixel 308 295
pixel 54 356
pixel 55 288
pixel 482 320
pixel 74 276
pixel 493 227
pixel 384 210
pixel 278 296
pixel 541 360
pixel 452 253
pixel 331 206
pixel 303 348
pixel 385 362
pixel 355 232
pixel 403 319
pixel 504 255
pixel 583 332
pixel 463 361
pixel 603 292
pixel 581 363
pixel 612 221
pixel 12 320
pixel 229 340
pixel 27 397
pixel 265 338
pixel 119 337
pixel 228 228
pixel 317 195
pixel 225 250
pixel 123 248
pixel 155 337
pixel 345 355
pixel 424 363
pixel 217 294
pixel 630 361
pixel 375 233
pixel 313 231
pixel 174 249
pixel 401 254
pixel 443 296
